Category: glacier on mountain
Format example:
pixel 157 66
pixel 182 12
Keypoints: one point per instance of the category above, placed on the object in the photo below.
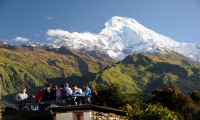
pixel 124 36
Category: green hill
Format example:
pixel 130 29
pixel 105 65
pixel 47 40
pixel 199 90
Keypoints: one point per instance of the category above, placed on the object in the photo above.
pixel 145 72
pixel 32 68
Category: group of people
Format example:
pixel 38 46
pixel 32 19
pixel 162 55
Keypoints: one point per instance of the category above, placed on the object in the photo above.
pixel 55 93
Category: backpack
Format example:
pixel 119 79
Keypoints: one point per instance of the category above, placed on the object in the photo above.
pixel 65 93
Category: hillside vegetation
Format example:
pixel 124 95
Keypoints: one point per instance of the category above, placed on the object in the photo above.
pixel 168 103
pixel 34 67
pixel 145 72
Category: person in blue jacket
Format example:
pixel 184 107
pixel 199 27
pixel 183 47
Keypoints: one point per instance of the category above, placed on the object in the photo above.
pixel 87 93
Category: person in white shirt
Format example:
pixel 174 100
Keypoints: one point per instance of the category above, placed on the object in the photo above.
pixel 21 96
pixel 77 90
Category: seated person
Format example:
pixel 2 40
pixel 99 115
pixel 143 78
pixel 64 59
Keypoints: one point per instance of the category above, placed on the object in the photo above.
pixel 77 90
pixel 67 90
pixel 87 93
pixel 21 98
pixel 87 90
pixel 46 94
pixel 58 92
pixel 52 94
pixel 38 95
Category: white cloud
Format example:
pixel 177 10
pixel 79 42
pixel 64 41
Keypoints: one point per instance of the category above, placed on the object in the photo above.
pixel 85 35
pixel 51 33
pixel 21 39
pixel 56 33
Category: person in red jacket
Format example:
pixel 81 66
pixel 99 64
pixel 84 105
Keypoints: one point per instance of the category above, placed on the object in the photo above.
pixel 38 95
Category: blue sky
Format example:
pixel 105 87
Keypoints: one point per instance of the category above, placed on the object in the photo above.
pixel 29 20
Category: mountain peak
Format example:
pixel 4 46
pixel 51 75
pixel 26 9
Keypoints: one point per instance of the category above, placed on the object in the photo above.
pixel 118 21
pixel 123 36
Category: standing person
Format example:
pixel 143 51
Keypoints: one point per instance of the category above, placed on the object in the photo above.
pixel 20 98
pixel 77 90
pixel 46 93
pixel 87 93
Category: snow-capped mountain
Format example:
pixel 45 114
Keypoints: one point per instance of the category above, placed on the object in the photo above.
pixel 124 36
pixel 32 44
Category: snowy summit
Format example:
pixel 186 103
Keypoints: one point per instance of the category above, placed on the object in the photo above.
pixel 124 36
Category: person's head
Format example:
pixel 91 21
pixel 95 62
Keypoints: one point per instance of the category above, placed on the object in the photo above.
pixel 74 86
pixel 55 87
pixel 49 85
pixel 61 86
pixel 24 90
pixel 85 85
pixel 66 85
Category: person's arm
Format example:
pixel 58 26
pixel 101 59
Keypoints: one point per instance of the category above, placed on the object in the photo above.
pixel 87 91
pixel 17 98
